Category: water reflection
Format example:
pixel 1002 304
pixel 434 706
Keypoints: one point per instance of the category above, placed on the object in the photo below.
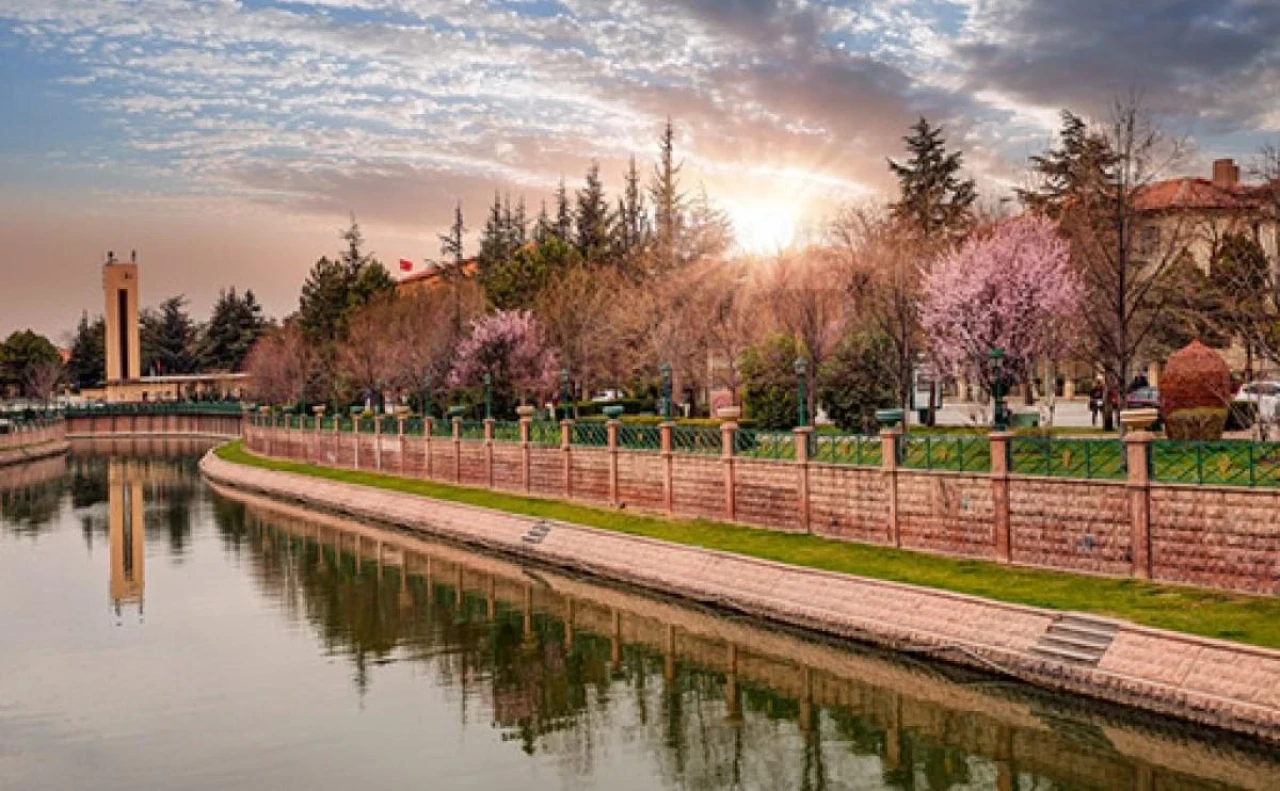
pixel 559 666
pixel 128 536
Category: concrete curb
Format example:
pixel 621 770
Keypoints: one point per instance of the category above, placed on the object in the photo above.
pixel 1225 685
pixel 25 453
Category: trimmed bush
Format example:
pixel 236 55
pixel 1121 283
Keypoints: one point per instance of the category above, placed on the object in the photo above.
pixel 1196 383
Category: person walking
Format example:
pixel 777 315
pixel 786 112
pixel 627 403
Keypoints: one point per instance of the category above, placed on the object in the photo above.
pixel 1095 401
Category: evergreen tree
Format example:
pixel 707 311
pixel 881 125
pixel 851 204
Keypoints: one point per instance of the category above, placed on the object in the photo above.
pixel 494 242
pixel 517 283
pixel 594 221
pixel 23 356
pixel 1080 169
pixel 564 216
pixel 451 245
pixel 168 339
pixel 769 382
pixel 542 227
pixel 934 202
pixel 633 220
pixel 88 364
pixel 334 289
pixel 234 326
pixel 858 380
pixel 668 201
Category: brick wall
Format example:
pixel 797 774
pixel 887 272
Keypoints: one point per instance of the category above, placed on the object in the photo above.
pixel 1070 524
pixel 1216 537
pixel 946 512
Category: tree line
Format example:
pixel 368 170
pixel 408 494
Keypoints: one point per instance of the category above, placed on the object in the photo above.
pixel 613 290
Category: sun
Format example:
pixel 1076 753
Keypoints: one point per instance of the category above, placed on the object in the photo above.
pixel 763 229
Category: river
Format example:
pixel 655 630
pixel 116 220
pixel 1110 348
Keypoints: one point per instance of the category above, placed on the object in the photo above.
pixel 161 635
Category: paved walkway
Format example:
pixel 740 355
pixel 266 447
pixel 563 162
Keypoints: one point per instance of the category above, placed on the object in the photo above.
pixel 1212 682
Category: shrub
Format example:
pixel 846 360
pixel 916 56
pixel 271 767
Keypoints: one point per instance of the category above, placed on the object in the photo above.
pixel 1196 381
pixel 769 382
pixel 1197 423
pixel 858 380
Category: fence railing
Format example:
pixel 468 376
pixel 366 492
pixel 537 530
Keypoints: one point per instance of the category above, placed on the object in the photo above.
pixel 696 439
pixel 1094 459
pixel 853 449
pixel 222 408
pixel 755 444
pixel 544 432
pixel 955 454
pixel 506 431
pixel 1223 462
pixel 639 437
pixel 471 429
pixel 590 434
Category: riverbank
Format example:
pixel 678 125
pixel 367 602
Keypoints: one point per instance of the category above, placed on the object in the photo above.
pixel 1221 684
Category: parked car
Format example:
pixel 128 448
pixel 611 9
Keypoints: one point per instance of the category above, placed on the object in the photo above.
pixel 1143 398
pixel 1264 395
pixel 605 396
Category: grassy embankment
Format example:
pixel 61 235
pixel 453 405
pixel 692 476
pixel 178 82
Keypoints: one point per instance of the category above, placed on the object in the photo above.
pixel 1246 619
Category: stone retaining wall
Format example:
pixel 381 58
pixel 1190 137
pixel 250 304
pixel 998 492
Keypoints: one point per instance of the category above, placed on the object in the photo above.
pixel 1208 536
pixel 154 425
pixel 1221 684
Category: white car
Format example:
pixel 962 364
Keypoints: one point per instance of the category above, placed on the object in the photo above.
pixel 605 396
pixel 1266 395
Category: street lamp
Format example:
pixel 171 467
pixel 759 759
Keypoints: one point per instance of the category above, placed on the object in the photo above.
pixel 426 396
pixel 564 390
pixel 802 402
pixel 488 396
pixel 998 422
pixel 666 390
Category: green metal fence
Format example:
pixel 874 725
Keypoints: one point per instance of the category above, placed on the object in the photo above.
pixel 441 427
pixel 957 454
pixel 222 408
pixel 414 426
pixel 365 425
pixel 755 444
pixel 1095 459
pixel 544 432
pixel 390 424
pixel 1224 462
pixel 854 449
pixel 506 431
pixel 472 429
pixel 639 437
pixel 589 434
pixel 696 439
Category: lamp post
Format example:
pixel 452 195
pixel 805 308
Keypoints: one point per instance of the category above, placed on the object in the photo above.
pixel 426 396
pixel 802 401
pixel 488 396
pixel 998 422
pixel 666 390
pixel 564 391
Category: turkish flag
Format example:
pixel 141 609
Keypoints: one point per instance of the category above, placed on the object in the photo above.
pixel 406 265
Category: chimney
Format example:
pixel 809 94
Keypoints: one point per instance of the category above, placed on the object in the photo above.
pixel 1226 173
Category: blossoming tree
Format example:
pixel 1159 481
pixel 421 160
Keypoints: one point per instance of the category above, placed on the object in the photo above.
pixel 509 346
pixel 1012 289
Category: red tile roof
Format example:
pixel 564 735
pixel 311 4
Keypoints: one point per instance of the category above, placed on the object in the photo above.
pixel 1191 193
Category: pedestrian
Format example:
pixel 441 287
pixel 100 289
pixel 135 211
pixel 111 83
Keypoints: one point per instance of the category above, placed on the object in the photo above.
pixel 1095 401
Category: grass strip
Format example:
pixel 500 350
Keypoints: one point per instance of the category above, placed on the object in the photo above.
pixel 1245 619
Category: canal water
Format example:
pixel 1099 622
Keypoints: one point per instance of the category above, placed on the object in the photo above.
pixel 158 634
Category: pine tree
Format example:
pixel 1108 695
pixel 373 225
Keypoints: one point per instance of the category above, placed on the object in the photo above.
pixel 564 216
pixel 542 227
pixel 934 202
pixel 234 326
pixel 334 289
pixel 633 220
pixel 594 221
pixel 168 338
pixel 493 239
pixel 451 245
pixel 1080 169
pixel 668 201
pixel 88 364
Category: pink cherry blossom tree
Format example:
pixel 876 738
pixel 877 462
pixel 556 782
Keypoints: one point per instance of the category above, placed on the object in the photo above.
pixel 510 346
pixel 1013 289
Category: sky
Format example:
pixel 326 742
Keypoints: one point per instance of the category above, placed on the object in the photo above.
pixel 228 141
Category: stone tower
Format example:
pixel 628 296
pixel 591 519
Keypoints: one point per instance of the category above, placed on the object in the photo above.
pixel 120 291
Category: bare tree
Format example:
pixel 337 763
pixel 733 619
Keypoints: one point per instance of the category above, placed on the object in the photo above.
pixel 43 378
pixel 422 333
pixel 367 357
pixel 281 365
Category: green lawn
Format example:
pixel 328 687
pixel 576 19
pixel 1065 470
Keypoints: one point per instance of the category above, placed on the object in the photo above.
pixel 1245 619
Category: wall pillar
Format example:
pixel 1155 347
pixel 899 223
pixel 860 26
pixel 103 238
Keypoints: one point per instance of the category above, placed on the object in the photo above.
pixel 400 440
pixel 802 436
pixel 889 441
pixel 668 464
pixel 1137 447
pixel 457 450
pixel 728 431
pixel 355 441
pixel 488 450
pixel 566 447
pixel 427 426
pixel 1000 444
pixel 526 427
pixel 611 434
pixel 377 443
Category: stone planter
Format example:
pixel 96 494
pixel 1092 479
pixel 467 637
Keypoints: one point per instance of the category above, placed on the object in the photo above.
pixel 1139 419
pixel 457 411
pixel 318 411
pixel 526 410
pixel 613 412
pixel 729 412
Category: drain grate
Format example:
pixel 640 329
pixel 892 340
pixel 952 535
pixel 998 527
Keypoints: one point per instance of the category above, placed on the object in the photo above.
pixel 536 532
pixel 1077 639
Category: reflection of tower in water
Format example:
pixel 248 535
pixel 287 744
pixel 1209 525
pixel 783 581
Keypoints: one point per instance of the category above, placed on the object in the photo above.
pixel 128 534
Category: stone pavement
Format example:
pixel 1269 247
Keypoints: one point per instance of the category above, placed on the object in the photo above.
pixel 1212 682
